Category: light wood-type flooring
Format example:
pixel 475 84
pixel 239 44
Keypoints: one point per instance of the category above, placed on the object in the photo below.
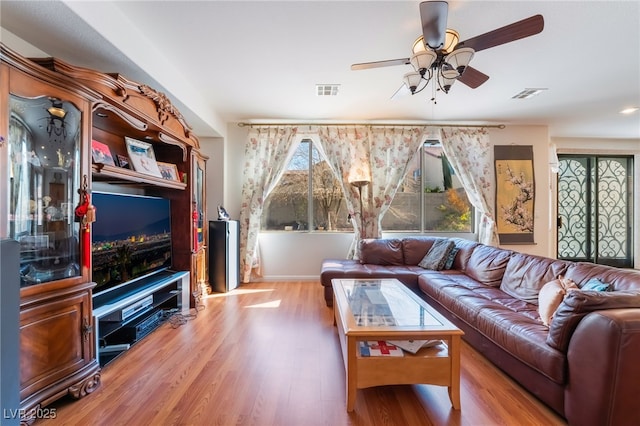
pixel 268 354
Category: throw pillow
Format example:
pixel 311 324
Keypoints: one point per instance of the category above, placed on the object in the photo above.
pixel 451 258
pixel 551 296
pixel 437 255
pixel 577 304
pixel 595 284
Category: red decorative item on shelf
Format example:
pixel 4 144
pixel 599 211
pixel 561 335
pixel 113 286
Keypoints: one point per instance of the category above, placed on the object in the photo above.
pixel 195 226
pixel 85 214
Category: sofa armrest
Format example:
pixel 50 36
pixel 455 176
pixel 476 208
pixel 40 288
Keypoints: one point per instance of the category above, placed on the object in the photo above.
pixel 603 369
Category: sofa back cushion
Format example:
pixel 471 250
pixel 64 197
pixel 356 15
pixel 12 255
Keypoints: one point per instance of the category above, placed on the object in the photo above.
pixel 415 248
pixel 526 274
pixel 381 251
pixel 620 279
pixel 577 304
pixel 465 249
pixel 487 264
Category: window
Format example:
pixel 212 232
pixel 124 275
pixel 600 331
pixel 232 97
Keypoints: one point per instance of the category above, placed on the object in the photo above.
pixel 307 197
pixel 431 197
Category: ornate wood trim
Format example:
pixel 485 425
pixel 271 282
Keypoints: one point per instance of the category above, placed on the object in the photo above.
pixel 85 387
pixel 133 121
pixel 136 99
pixel 168 139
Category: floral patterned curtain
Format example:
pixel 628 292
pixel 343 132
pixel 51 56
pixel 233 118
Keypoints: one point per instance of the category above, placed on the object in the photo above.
pixel 470 154
pixel 378 156
pixel 346 151
pixel 391 150
pixel 267 152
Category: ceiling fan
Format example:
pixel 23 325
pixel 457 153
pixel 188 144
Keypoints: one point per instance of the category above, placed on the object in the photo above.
pixel 439 55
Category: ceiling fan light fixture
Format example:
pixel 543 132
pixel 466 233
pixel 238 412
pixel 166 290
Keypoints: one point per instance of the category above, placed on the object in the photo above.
pixel 422 61
pixel 451 39
pixel 446 78
pixel 412 80
pixel 419 46
pixel 459 59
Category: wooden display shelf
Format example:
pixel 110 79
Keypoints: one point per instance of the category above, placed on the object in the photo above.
pixel 106 173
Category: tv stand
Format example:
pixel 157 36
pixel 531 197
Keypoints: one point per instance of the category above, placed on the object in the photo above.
pixel 126 314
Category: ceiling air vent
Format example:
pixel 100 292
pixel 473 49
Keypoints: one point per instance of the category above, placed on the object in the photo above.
pixel 327 89
pixel 528 93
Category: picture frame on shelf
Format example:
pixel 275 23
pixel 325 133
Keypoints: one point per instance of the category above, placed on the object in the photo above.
pixel 168 171
pixel 142 157
pixel 101 153
pixel 123 161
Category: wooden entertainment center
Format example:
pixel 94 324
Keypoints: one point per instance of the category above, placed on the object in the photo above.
pixel 51 112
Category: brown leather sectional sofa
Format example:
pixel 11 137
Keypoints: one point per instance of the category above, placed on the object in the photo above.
pixel 585 365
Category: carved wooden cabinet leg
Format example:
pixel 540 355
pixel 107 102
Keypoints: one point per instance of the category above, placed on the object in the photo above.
pixel 26 418
pixel 85 387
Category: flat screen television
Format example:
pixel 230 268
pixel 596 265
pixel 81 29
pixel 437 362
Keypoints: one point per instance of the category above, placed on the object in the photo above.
pixel 131 238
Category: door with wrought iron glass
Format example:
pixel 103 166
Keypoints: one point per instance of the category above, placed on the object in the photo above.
pixel 595 209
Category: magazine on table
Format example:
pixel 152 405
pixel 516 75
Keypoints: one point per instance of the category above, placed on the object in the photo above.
pixel 379 348
pixel 414 346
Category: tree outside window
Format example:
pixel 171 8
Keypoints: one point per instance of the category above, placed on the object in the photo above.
pixel 308 197
pixel 431 197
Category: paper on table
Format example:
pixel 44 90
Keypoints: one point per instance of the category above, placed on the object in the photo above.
pixel 414 346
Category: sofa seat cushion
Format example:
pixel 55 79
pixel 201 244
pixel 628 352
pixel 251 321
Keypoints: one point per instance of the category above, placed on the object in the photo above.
pixel 349 268
pixel 524 338
pixel 510 323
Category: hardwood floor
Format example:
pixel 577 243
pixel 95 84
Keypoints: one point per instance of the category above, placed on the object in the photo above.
pixel 268 354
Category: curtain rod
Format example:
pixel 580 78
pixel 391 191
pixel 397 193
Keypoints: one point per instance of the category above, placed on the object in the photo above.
pixel 492 126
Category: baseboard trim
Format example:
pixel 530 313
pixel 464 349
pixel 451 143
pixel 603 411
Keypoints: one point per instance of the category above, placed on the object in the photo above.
pixel 271 278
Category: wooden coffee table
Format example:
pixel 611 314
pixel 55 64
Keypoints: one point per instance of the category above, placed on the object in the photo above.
pixel 383 310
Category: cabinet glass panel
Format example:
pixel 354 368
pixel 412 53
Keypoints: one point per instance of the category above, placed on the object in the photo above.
pixel 44 177
pixel 198 202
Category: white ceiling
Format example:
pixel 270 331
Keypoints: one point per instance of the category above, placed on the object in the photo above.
pixel 229 61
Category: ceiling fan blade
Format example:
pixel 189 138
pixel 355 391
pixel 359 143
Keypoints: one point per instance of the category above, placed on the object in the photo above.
pixel 402 92
pixel 473 78
pixel 380 64
pixel 521 29
pixel 433 15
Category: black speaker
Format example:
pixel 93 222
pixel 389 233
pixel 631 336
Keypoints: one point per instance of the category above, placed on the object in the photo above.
pixel 224 255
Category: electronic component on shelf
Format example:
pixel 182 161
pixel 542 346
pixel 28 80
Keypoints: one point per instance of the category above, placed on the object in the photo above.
pixel 114 348
pixel 131 310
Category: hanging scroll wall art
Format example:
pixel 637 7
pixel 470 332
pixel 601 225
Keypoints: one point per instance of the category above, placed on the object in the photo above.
pixel 515 193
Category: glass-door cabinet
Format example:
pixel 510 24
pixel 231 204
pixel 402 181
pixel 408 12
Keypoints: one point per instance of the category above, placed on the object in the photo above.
pixel 43 147
pixel 44 169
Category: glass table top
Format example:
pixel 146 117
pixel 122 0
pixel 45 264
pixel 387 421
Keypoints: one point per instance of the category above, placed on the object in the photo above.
pixel 380 302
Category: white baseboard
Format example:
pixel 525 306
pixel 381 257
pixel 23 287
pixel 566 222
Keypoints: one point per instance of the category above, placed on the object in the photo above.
pixel 271 278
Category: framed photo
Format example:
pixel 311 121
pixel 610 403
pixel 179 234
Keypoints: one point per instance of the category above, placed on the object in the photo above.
pixel 101 153
pixel 123 161
pixel 143 159
pixel 168 171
